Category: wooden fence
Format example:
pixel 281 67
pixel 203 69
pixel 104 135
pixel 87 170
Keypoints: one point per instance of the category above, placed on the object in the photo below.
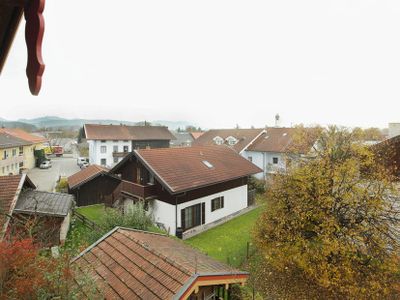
pixel 87 222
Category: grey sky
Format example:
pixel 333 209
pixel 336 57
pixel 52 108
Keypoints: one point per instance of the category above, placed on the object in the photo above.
pixel 216 63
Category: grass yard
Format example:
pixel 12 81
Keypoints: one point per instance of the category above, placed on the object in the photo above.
pixel 228 242
pixel 92 212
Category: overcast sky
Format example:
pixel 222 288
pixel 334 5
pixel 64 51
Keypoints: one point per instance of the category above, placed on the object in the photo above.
pixel 215 63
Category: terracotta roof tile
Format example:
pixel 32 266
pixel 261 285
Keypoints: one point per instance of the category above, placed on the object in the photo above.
pixel 9 141
pixel 85 175
pixel 196 135
pixel 124 132
pixel 183 169
pixel 131 264
pixel 273 140
pixel 23 135
pixel 10 187
pixel 244 137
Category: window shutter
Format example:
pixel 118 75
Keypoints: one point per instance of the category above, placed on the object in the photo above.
pixel 203 213
pixel 222 201
pixel 183 219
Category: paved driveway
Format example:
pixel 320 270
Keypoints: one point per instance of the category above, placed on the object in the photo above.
pixel 45 180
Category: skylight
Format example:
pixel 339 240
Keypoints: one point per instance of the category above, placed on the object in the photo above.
pixel 285 134
pixel 208 164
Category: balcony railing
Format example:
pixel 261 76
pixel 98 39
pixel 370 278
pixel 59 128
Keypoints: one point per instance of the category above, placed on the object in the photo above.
pixel 138 190
pixel 119 154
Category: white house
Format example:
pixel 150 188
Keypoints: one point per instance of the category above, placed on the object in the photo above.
pixel 266 148
pixel 186 188
pixel 108 144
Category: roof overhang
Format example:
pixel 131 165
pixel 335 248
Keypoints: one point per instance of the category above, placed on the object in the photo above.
pixel 11 12
pixel 200 280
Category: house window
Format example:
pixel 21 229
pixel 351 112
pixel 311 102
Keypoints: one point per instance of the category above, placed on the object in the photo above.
pixel 5 154
pixel 103 141
pixel 126 149
pixel 21 150
pixel 231 140
pixel 103 161
pixel 115 148
pixel 115 160
pixel 103 149
pixel 217 203
pixel 14 152
pixel 193 216
pixel 115 141
pixel 275 160
pixel 250 158
pixel 218 140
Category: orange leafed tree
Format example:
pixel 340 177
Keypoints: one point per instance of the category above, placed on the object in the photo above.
pixel 333 219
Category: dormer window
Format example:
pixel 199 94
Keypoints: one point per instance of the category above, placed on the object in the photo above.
pixel 231 140
pixel 218 140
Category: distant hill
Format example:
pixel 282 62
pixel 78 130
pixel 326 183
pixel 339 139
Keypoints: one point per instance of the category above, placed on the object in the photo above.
pixel 17 124
pixel 52 122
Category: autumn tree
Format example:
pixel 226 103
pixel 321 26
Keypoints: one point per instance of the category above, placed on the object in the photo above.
pixel 332 223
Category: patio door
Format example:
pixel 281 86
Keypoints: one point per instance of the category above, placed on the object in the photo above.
pixel 193 216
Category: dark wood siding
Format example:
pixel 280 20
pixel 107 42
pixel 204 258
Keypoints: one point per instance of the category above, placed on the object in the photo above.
pixel 165 196
pixel 98 190
pixel 150 144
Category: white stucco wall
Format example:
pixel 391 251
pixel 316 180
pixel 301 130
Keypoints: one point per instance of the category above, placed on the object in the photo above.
pixel 95 154
pixel 264 160
pixel 234 200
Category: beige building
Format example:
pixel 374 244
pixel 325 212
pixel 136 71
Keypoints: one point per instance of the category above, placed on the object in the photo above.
pixel 11 154
pixel 21 152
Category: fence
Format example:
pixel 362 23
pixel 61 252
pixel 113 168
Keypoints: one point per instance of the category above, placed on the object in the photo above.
pixel 87 222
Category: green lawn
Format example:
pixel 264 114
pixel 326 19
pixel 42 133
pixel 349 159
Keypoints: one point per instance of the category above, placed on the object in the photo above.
pixel 92 212
pixel 228 242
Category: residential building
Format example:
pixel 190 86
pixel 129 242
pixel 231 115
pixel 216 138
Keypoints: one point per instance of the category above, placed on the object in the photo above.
pixel 182 139
pixel 394 129
pixel 388 153
pixel 108 144
pixel 93 185
pixel 185 188
pixel 133 264
pixel 47 213
pixel 266 148
pixel 11 154
pixel 33 142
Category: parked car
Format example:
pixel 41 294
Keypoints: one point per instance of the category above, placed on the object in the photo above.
pixel 84 165
pixel 45 165
pixel 81 160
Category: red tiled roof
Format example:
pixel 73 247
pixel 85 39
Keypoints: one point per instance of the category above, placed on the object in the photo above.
pixel 182 169
pixel 85 175
pixel 196 135
pixel 131 264
pixel 10 187
pixel 21 134
pixel 9 141
pixel 244 137
pixel 273 140
pixel 124 132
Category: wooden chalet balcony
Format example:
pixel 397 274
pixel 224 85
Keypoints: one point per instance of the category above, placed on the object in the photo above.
pixel 119 154
pixel 138 190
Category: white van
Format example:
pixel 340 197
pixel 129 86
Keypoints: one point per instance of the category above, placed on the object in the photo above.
pixel 81 160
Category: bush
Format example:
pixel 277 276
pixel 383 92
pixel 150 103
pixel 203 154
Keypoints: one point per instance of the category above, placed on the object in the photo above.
pixel 62 185
pixel 135 217
pixel 256 184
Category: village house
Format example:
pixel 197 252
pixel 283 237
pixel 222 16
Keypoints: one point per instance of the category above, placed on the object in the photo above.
pixel 21 204
pixel 108 144
pixel 182 139
pixel 186 188
pixel 133 264
pixel 266 148
pixel 93 185
pixel 11 154
pixel 27 150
